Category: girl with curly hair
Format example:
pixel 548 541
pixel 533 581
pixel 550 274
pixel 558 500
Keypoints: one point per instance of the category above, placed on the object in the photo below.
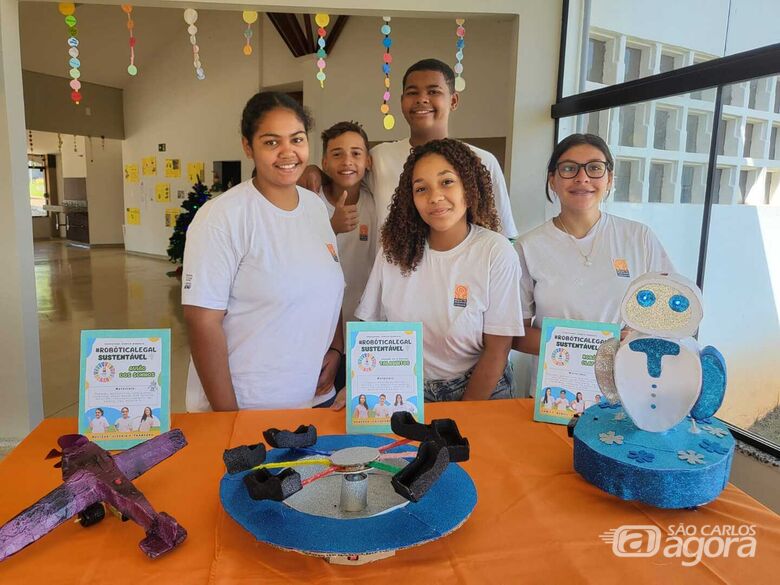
pixel 443 263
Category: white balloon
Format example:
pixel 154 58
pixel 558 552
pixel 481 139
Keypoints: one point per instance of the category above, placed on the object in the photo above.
pixel 190 16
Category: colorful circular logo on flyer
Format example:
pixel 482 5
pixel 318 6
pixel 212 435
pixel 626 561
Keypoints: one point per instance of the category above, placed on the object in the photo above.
pixel 366 362
pixel 104 372
pixel 560 356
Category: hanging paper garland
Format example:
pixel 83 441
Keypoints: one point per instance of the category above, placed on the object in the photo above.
pixel 322 21
pixel 250 16
pixel 67 9
pixel 460 83
pixel 59 142
pixel 30 141
pixel 128 9
pixel 191 17
pixel 388 121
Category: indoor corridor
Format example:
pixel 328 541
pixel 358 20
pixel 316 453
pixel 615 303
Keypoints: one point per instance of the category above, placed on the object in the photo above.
pixel 101 288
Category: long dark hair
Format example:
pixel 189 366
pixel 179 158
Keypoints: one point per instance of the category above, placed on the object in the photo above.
pixel 405 233
pixel 570 142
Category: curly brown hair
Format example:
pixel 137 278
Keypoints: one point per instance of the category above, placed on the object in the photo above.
pixel 404 233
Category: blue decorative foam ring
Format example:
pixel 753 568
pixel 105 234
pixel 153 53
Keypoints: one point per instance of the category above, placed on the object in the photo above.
pixel 443 509
pixel 674 469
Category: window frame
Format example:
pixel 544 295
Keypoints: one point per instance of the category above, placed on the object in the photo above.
pixel 716 73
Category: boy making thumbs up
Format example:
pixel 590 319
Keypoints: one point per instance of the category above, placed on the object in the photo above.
pixel 345 160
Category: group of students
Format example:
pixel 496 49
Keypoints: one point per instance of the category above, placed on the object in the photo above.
pixel 382 409
pixel 415 230
pixel 124 424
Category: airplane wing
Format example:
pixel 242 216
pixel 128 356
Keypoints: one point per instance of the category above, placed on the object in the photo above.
pixel 137 460
pixel 53 509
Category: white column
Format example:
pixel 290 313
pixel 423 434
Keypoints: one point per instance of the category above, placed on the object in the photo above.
pixel 21 404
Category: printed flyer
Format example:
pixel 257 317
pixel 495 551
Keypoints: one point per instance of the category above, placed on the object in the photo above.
pixel 124 389
pixel 384 374
pixel 566 381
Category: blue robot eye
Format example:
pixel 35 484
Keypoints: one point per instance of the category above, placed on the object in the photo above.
pixel 645 298
pixel 679 303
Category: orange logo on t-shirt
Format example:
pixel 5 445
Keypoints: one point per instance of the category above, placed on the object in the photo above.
pixel 461 297
pixel 332 251
pixel 363 232
pixel 621 267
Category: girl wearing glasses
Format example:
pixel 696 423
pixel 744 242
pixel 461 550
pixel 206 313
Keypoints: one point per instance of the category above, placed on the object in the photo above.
pixel 579 264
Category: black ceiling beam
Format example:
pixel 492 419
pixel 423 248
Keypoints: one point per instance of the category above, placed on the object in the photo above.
pixel 290 30
pixel 721 71
pixel 300 40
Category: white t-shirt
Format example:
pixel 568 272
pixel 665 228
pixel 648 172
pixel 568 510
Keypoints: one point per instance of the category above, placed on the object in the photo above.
pixel 276 274
pixel 99 425
pixel 382 409
pixel 124 425
pixel 357 250
pixel 458 295
pixel 556 282
pixel 388 164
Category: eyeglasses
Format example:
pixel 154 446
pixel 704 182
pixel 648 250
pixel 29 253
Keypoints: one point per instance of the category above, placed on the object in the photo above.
pixel 595 169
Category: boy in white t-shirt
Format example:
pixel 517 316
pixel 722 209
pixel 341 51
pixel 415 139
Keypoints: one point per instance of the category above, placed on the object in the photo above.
pixel 345 161
pixel 428 98
pixel 125 423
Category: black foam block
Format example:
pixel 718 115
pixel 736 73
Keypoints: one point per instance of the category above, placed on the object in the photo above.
pixel 303 436
pixel 264 485
pixel 243 457
pixel 414 480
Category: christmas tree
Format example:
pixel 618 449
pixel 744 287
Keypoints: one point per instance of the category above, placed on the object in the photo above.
pixel 195 200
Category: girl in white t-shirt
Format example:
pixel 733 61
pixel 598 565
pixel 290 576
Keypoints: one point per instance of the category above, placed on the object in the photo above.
pixel 100 423
pixel 443 263
pixel 262 284
pixel 579 264
pixel 361 410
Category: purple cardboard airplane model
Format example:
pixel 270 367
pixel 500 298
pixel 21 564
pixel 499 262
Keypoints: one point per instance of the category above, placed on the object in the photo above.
pixel 91 476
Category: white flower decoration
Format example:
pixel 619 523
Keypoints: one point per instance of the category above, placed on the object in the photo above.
pixel 720 433
pixel 619 416
pixel 690 456
pixel 610 438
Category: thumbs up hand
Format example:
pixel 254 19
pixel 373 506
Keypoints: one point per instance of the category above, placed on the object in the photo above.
pixel 345 218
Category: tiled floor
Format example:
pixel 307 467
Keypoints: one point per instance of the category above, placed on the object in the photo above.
pixel 101 288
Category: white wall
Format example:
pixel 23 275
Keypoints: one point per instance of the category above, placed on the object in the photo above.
pixel 197 120
pixel 355 81
pixel 104 191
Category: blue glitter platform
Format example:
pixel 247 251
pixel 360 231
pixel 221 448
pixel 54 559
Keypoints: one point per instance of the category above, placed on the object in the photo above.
pixel 448 504
pixel 674 469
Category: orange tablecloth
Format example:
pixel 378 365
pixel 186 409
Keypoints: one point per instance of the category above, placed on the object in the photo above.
pixel 536 520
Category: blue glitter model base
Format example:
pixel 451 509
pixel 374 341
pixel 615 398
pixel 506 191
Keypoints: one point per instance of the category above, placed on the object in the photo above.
pixel 444 508
pixel 674 469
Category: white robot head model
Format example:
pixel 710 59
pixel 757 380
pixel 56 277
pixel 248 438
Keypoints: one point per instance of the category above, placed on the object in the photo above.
pixel 658 372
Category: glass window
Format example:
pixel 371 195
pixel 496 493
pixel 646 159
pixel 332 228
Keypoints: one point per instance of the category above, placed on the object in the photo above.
pixel 692 133
pixel 686 183
pixel 632 63
pixel 596 51
pixel 716 185
pixel 36 168
pixel 752 94
pixel 740 288
pixel 748 139
pixel 627 125
pixel 656 183
pixel 773 143
pixel 666 64
pixel 743 185
pixel 777 96
pixel 622 180
pixel 661 124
